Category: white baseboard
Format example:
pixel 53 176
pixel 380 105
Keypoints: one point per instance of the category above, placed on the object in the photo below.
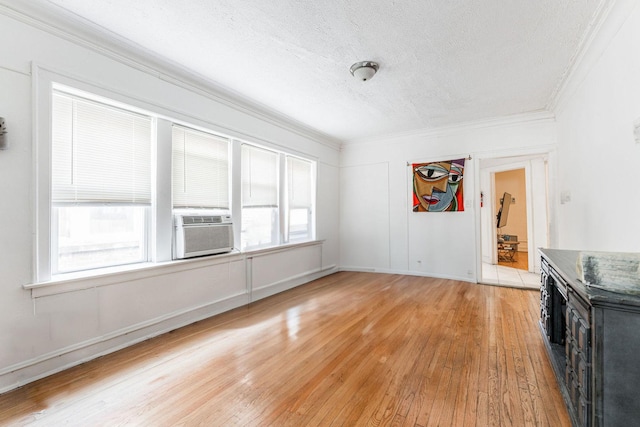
pixel 408 273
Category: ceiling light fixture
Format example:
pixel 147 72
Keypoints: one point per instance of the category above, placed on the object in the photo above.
pixel 364 70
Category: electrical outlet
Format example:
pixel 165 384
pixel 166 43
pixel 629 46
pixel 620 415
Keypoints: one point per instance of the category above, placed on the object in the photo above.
pixel 636 130
pixel 565 197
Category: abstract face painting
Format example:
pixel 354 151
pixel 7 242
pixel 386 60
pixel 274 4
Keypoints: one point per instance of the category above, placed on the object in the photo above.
pixel 437 186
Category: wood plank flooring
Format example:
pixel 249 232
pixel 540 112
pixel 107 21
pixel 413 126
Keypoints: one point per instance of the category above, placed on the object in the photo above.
pixel 350 349
pixel 519 261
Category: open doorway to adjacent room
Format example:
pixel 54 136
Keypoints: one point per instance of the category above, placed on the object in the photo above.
pixel 510 201
pixel 513 219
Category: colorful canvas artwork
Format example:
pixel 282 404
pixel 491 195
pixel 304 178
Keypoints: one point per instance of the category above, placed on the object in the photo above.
pixel 437 186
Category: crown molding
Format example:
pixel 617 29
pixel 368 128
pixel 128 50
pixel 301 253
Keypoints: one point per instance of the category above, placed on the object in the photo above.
pixel 607 21
pixel 65 25
pixel 501 121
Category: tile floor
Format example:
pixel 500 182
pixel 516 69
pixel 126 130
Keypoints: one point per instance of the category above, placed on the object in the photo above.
pixel 507 276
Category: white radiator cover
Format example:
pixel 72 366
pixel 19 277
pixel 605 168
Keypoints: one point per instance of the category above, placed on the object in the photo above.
pixel 197 235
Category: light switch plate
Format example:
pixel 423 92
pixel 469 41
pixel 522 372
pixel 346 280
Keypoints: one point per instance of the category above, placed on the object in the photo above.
pixel 636 130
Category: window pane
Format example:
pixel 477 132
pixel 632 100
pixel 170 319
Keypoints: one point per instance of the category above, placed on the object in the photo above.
pixel 99 236
pixel 259 227
pixel 300 195
pixel 99 153
pixel 299 182
pixel 259 177
pixel 200 172
pixel 299 224
pixel 101 159
pixel 260 207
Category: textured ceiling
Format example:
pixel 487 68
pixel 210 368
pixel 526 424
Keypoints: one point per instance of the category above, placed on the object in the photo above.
pixel 441 62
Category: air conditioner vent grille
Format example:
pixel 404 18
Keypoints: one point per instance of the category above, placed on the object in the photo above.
pixel 201 219
pixel 197 235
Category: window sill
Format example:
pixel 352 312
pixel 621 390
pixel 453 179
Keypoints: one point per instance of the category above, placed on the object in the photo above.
pixel 250 253
pixel 108 276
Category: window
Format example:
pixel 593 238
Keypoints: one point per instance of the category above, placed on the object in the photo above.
pixel 200 170
pixel 260 207
pixel 300 196
pixel 112 172
pixel 100 184
pixel 261 198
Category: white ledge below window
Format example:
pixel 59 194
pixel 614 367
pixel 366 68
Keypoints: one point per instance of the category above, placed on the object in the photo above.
pixel 108 276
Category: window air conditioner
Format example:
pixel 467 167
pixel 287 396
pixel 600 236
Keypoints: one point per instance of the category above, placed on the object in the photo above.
pixel 197 235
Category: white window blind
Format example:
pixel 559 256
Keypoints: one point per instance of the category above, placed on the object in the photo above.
pixel 100 153
pixel 259 177
pixel 300 196
pixel 299 182
pixel 200 169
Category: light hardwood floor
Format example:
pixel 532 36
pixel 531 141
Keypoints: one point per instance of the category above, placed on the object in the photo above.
pixel 347 350
pixel 519 261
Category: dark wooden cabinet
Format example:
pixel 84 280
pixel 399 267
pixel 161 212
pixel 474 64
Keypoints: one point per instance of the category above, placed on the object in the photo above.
pixel 578 357
pixel 593 340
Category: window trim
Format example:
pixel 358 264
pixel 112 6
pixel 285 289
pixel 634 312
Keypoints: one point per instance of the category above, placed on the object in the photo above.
pixel 71 282
pixel 283 208
pixel 44 82
pixel 311 228
pixel 160 225
pixel 277 237
pixel 125 197
pixel 228 142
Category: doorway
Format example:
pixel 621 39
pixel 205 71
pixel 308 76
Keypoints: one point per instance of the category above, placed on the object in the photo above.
pixel 510 201
pixel 509 249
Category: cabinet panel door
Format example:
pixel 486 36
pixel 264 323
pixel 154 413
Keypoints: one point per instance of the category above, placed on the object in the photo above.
pixel 620 376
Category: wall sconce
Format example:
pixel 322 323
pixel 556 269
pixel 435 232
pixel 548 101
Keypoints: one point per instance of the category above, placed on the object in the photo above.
pixel 3 131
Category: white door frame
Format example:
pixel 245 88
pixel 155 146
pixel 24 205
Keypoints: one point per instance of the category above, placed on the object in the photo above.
pixel 529 196
pixel 521 158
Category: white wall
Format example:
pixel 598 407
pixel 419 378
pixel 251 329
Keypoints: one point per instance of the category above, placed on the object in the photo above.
pixel 378 229
pixel 49 328
pixel 598 157
pixel 365 223
pixel 596 166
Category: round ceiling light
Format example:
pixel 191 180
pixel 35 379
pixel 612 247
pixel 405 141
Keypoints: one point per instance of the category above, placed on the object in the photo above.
pixel 364 70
